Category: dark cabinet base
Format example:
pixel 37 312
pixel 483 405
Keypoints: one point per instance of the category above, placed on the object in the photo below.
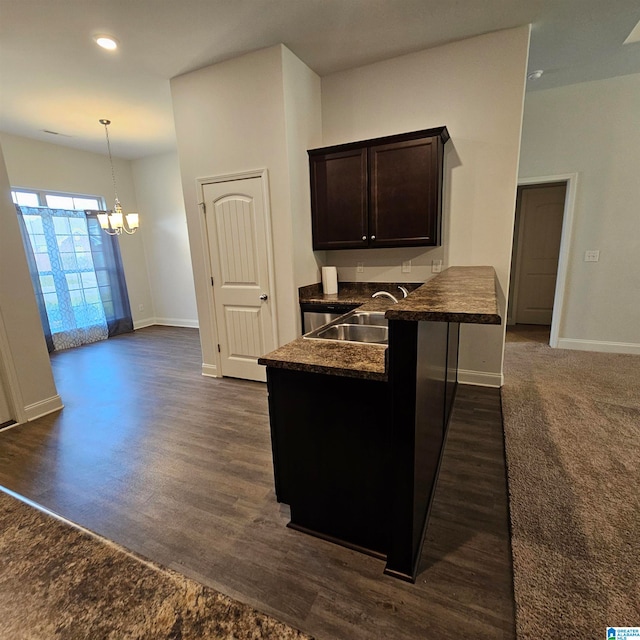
pixel 423 367
pixel 340 541
pixel 357 460
pixel 332 441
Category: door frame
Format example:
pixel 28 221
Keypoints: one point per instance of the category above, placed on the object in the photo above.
pixel 571 180
pixel 263 174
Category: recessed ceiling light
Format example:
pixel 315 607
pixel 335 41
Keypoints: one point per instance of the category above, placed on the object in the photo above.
pixel 106 42
pixel 535 75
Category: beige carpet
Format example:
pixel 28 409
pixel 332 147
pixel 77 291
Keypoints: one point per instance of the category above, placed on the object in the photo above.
pixel 572 436
pixel 60 582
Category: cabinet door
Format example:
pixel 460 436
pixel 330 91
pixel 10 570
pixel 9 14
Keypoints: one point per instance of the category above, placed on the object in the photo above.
pixel 405 193
pixel 339 199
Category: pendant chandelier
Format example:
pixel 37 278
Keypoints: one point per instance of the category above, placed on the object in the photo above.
pixel 115 222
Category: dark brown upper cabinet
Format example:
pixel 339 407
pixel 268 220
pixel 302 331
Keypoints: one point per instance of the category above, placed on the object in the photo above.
pixel 385 192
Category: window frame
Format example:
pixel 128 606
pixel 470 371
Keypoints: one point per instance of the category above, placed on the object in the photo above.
pixel 43 193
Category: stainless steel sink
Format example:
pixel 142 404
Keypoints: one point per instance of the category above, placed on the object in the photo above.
pixel 366 317
pixel 365 327
pixel 354 333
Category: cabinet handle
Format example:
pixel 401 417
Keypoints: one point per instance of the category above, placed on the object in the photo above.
pixel 364 237
pixel 373 237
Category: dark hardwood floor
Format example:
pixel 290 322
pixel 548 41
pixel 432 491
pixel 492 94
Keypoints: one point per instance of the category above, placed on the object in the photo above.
pixel 177 467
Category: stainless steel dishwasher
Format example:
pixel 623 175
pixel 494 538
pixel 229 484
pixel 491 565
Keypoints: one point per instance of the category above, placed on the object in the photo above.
pixel 315 315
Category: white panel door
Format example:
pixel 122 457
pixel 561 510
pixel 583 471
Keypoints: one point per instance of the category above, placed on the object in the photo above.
pixel 238 238
pixel 541 212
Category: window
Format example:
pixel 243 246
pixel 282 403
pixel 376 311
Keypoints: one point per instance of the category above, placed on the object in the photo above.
pixel 71 202
pixel 56 200
pixel 60 243
pixel 76 269
pixel 25 198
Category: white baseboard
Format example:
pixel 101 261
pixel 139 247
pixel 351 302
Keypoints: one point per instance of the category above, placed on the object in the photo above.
pixel 480 378
pixel 177 322
pixel 145 322
pixel 599 345
pixel 11 426
pixel 43 407
pixel 210 370
pixel 166 322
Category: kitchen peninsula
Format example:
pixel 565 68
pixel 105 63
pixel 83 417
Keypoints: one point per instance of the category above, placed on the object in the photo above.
pixel 358 429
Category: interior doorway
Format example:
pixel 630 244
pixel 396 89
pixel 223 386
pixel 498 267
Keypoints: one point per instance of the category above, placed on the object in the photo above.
pixel 541 244
pixel 537 234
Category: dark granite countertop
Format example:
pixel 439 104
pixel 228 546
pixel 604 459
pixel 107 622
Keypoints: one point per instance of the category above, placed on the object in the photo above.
pixel 350 359
pixel 355 293
pixel 458 294
pixel 61 581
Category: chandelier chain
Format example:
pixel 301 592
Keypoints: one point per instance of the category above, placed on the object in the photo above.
pixel 113 174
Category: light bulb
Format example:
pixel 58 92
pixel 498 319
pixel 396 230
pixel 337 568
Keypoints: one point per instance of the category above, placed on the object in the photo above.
pixel 103 219
pixel 132 220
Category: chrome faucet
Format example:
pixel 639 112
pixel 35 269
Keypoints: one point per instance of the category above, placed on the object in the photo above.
pixel 405 293
pixel 386 294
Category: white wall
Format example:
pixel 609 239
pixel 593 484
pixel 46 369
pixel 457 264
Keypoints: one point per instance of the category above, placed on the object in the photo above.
pixel 26 370
pixel 303 123
pixel 593 129
pixel 40 165
pixel 161 204
pixel 230 118
pixel 476 88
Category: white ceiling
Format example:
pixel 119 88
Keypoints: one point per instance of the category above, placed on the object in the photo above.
pixel 54 77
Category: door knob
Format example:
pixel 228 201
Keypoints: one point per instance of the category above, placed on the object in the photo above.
pixel 263 296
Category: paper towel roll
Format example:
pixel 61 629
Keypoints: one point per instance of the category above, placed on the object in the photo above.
pixel 330 279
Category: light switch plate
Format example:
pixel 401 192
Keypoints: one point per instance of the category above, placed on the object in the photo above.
pixel 406 266
pixel 592 256
pixel 360 267
pixel 436 266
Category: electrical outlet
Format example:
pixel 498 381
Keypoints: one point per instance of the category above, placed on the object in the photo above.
pixel 406 266
pixel 592 255
pixel 140 307
pixel 360 267
pixel 436 266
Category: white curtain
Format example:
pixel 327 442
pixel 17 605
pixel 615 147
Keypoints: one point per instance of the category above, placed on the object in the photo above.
pixel 62 251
